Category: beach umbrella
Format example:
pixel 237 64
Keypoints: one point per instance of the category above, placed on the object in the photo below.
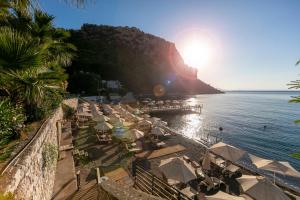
pixel 82 119
pixel 103 126
pixel 146 116
pixel 137 134
pixel 175 102
pixel 274 166
pixel 145 123
pixel 157 131
pixel 137 111
pixel 83 109
pixel 120 122
pixel 101 118
pixel 138 119
pixel 208 158
pixel 227 151
pixel 128 135
pixel 177 169
pixel 223 196
pixel 84 114
pixel 260 188
pixel 160 102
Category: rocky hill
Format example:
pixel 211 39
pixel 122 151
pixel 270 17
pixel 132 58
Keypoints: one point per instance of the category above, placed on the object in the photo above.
pixel 139 60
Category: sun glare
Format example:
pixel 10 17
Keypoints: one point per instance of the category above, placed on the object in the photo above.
pixel 197 48
pixel 197 53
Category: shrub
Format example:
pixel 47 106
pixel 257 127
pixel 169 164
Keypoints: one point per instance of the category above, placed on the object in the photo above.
pixel 49 155
pixel 68 111
pixel 8 196
pixel 11 120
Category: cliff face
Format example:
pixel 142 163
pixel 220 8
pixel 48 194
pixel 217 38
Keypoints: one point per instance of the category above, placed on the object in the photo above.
pixel 139 60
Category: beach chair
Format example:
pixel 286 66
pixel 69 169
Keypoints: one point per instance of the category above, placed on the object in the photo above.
pixel 211 182
pixel 195 164
pixel 186 158
pixel 189 192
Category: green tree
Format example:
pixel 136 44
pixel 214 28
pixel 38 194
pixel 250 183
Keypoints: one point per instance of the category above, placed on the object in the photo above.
pixel 33 57
pixel 295 85
pixel 11 118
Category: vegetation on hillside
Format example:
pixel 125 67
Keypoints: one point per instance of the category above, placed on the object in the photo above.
pixel 295 85
pixel 137 59
pixel 33 57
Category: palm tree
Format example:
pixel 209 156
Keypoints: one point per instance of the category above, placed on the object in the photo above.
pixel 19 50
pixel 32 60
pixel 29 87
pixel 295 85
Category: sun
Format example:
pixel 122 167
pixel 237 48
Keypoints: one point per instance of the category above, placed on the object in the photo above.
pixel 197 52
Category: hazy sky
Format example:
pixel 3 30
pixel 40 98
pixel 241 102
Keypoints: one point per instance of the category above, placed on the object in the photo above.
pixel 256 42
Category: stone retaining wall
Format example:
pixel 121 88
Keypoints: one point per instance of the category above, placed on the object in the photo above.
pixel 31 175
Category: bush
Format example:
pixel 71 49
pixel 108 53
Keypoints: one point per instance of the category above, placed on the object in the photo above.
pixel 8 196
pixel 50 102
pixel 49 155
pixel 68 111
pixel 11 120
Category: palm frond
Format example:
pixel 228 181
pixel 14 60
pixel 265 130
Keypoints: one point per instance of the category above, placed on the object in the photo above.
pixel 18 51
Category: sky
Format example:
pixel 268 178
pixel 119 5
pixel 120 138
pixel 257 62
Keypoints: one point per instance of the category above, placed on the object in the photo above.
pixel 254 44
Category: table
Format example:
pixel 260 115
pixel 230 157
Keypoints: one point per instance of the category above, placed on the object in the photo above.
pixel 160 144
pixel 172 181
pixel 232 168
pixel 195 164
pixel 186 158
pixel 199 172
pixel 220 162
pixel 189 192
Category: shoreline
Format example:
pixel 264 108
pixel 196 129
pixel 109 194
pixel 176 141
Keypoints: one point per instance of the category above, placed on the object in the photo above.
pixel 196 150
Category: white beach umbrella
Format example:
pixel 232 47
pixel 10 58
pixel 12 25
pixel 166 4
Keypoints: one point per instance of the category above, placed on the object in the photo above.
pixel 83 109
pixel 223 196
pixel 145 123
pixel 157 131
pixel 103 126
pixel 101 118
pixel 138 134
pixel 207 160
pixel 177 169
pixel 137 111
pixel 84 114
pixel 274 166
pixel 227 151
pixel 260 188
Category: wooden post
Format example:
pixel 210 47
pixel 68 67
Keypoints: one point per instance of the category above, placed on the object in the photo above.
pixel 178 195
pixel 152 184
pixel 78 179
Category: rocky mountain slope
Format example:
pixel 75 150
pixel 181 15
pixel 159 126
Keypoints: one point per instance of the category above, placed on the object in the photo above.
pixel 139 60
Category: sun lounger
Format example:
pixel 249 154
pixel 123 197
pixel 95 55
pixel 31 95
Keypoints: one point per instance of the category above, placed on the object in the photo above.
pixel 200 173
pixel 186 158
pixel 189 192
pixel 211 182
pixel 160 144
pixel 246 197
pixel 195 164
pixel 231 170
pixel 172 182
pixel 220 162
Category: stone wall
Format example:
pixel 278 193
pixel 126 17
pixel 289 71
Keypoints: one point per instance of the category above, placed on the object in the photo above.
pixel 31 174
pixel 73 102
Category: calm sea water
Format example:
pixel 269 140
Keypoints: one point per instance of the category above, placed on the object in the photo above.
pixel 243 115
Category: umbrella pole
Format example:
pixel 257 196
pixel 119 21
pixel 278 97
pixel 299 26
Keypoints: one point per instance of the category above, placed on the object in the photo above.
pixel 274 178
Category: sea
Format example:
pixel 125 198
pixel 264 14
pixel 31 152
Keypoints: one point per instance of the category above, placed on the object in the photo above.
pixel 262 123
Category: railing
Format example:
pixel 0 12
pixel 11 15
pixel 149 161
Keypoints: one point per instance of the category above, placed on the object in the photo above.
pixel 196 108
pixel 151 184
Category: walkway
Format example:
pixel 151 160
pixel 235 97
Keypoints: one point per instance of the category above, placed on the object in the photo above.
pixel 65 179
pixel 161 152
